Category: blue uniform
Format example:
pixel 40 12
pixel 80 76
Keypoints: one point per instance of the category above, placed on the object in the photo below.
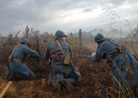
pixel 58 70
pixel 20 69
pixel 119 63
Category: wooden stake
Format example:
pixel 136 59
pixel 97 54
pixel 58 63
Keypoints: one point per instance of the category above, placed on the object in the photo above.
pixel 5 89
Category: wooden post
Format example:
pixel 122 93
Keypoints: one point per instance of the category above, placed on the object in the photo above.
pixel 26 32
pixel 80 39
pixel 5 89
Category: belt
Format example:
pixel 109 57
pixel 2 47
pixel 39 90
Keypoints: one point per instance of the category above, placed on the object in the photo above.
pixel 20 60
pixel 57 57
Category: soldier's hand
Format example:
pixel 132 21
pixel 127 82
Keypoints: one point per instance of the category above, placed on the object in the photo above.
pixel 94 53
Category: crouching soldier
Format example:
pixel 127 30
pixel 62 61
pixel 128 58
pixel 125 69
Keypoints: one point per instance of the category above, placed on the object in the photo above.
pixel 16 67
pixel 63 73
pixel 123 62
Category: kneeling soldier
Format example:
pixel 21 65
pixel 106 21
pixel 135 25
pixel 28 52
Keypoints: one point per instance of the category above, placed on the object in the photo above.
pixel 63 73
pixel 16 67
pixel 123 62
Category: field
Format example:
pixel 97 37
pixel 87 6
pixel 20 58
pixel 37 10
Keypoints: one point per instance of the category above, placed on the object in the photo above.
pixel 97 80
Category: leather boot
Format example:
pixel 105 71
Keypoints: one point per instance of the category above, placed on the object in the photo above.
pixel 69 87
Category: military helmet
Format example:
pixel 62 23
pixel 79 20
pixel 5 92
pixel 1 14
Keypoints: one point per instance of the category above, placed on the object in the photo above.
pixel 25 41
pixel 99 37
pixel 59 34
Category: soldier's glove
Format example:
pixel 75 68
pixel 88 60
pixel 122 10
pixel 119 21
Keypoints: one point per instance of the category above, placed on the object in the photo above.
pixel 94 53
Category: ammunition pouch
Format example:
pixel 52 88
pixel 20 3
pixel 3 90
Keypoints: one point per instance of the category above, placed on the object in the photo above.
pixel 56 57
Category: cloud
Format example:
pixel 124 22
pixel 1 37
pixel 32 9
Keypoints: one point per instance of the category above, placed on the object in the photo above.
pixel 87 10
pixel 68 15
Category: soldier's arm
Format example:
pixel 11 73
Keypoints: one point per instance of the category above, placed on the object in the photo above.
pixel 30 52
pixel 98 56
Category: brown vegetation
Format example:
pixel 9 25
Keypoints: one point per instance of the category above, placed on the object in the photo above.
pixel 97 81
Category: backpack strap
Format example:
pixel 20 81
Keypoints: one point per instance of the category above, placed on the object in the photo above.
pixel 60 47
pixel 109 40
pixel 16 48
pixel 121 48
pixel 55 48
pixel 10 58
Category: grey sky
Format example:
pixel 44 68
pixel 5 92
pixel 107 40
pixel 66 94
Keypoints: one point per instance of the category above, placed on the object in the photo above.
pixel 67 15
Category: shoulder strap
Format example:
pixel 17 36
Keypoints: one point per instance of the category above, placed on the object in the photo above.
pixel 121 48
pixel 60 47
pixel 16 48
pixel 109 40
pixel 55 48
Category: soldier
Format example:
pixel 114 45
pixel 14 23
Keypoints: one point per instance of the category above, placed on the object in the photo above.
pixel 124 64
pixel 16 67
pixel 61 74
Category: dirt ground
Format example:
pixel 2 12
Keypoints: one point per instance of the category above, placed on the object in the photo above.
pixel 93 76
pixel 97 79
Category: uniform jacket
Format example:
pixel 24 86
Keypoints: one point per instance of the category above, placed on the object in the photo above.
pixel 111 49
pixel 21 70
pixel 58 69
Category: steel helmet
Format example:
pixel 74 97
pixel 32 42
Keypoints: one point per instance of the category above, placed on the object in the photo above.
pixel 59 34
pixel 25 41
pixel 99 37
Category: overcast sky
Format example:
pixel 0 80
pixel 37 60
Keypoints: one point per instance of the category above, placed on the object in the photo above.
pixel 67 15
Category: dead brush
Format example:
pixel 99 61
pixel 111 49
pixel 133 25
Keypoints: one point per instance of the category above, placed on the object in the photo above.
pixel 97 78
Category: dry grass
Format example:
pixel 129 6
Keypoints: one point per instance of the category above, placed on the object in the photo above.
pixel 92 74
pixel 39 88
